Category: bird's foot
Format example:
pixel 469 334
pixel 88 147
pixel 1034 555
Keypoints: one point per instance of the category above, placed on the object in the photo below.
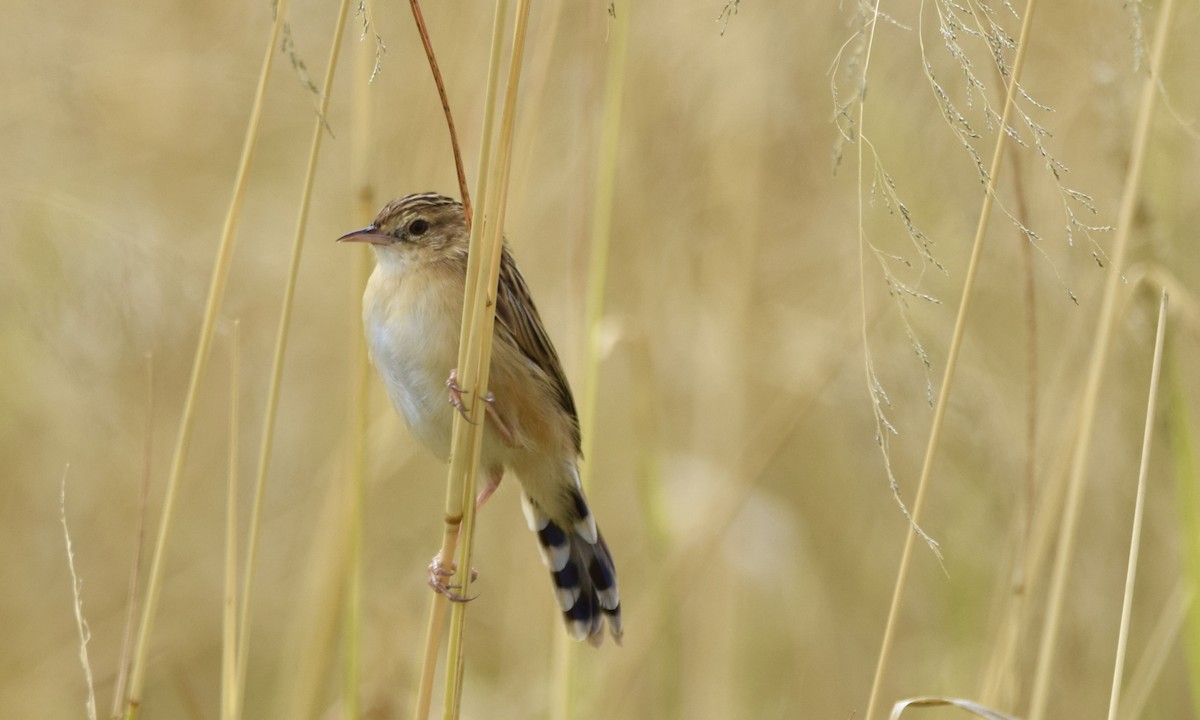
pixel 456 393
pixel 439 574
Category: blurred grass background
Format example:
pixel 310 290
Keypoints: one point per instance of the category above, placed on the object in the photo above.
pixel 736 471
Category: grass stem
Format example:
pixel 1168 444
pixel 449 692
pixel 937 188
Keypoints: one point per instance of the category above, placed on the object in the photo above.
pixel 960 323
pixel 216 291
pixel 1044 673
pixel 1138 510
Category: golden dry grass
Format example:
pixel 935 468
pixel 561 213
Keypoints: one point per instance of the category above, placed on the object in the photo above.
pixel 735 469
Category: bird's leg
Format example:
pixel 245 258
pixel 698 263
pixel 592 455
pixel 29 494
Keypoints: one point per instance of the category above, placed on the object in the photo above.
pixel 502 429
pixel 438 573
pixel 493 482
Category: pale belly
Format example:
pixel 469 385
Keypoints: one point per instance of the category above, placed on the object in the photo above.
pixel 414 354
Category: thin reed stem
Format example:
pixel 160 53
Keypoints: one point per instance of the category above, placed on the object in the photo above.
pixel 960 324
pixel 215 293
pixel 1138 510
pixel 1096 364
pixel 460 477
pixel 419 18
pixel 281 339
pixel 139 548
pixel 360 153
pixel 229 644
pixel 561 689
pixel 481 350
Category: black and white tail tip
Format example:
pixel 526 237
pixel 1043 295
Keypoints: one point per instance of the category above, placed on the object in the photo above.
pixel 585 580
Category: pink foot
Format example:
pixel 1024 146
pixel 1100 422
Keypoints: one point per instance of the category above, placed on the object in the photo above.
pixel 438 575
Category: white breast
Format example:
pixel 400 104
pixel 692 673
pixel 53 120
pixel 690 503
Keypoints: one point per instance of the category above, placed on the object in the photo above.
pixel 414 347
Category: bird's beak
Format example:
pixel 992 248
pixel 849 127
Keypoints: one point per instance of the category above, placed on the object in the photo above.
pixel 369 234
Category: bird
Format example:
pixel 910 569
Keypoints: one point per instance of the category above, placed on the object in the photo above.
pixel 412 310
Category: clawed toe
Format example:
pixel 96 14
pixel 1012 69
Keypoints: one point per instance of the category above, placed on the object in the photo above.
pixel 438 575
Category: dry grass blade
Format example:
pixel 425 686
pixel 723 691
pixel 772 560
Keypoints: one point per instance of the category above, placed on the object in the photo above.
pixel 135 572
pixel 960 323
pixel 361 155
pixel 281 340
pixel 200 361
pixel 974 708
pixel 1138 510
pixel 1158 648
pixel 229 644
pixel 85 634
pixel 597 281
pixel 461 475
pixel 1096 364
pixel 480 350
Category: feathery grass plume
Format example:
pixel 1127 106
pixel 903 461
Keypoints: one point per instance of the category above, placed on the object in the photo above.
pixel 183 441
pixel 363 13
pixel 1097 361
pixel 281 342
pixel 1138 511
pixel 1014 75
pixel 85 633
pixel 967 31
pixel 852 62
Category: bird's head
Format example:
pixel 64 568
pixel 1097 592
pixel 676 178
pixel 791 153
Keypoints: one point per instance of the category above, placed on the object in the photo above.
pixel 426 226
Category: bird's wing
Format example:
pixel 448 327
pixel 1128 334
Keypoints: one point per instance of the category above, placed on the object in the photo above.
pixel 518 321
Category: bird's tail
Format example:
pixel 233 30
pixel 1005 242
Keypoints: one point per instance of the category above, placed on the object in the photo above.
pixel 581 567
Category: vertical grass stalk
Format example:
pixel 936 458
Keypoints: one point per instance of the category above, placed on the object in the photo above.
pixel 229 645
pixel 183 441
pixel 1096 365
pixel 1138 509
pixel 364 205
pixel 457 489
pixel 281 338
pixel 1186 462
pixel 960 323
pixel 135 571
pixel 561 689
pixel 481 350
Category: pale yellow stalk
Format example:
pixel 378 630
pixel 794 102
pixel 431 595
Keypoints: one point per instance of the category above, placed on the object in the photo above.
pixel 457 489
pixel 1138 510
pixel 200 361
pixel 131 601
pixel 597 281
pixel 281 338
pixel 960 324
pixel 364 206
pixel 229 697
pixel 481 351
pixel 1096 364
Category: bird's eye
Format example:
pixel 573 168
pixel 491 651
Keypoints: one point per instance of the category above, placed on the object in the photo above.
pixel 418 227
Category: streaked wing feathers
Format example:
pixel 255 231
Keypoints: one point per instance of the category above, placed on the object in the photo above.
pixel 517 318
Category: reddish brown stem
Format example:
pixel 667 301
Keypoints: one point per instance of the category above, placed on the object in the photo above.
pixel 437 78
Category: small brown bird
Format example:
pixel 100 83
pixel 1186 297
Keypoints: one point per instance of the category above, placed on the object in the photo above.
pixel 412 309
